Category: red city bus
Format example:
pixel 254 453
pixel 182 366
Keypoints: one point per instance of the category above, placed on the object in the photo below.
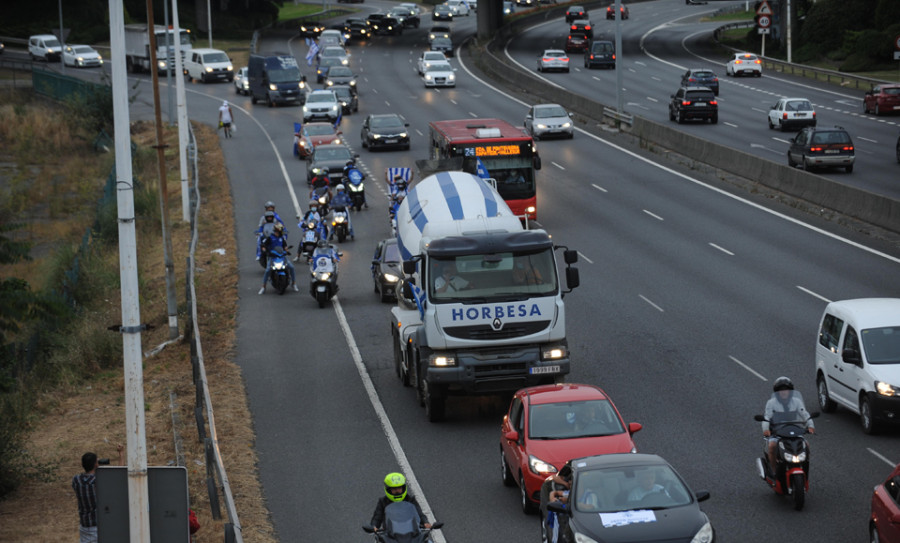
pixel 507 152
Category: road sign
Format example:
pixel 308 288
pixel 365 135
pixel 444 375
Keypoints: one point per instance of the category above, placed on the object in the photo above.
pixel 764 8
pixel 764 21
pixel 763 30
pixel 897 43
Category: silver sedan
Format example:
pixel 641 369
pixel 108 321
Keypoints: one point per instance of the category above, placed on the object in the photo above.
pixel 549 120
pixel 553 59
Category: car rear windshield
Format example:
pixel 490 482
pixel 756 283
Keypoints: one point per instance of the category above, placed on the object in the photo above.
pixel 895 91
pixel 832 136
pixel 704 75
pixel 699 96
pixel 799 105
pixel 602 47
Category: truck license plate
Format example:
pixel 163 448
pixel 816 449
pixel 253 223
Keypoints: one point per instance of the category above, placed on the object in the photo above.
pixel 544 369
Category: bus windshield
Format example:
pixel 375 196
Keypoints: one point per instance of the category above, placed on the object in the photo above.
pixel 492 277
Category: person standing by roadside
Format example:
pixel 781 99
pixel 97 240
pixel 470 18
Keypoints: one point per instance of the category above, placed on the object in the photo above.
pixel 226 118
pixel 84 485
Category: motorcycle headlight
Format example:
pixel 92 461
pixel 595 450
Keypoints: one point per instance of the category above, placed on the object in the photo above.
pixel 338 219
pixel 885 389
pixel 353 83
pixel 324 276
pixel 442 360
pixel 391 278
pixel 278 266
pixel 704 535
pixel 794 459
pixel 311 225
pixel 322 199
pixel 539 466
pixel 161 64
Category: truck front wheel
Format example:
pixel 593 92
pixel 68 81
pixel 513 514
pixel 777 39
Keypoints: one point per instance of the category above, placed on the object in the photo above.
pixel 435 401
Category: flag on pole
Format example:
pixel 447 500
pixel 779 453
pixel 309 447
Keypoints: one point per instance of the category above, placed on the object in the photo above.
pixel 297 128
pixel 480 170
pixel 337 122
pixel 311 54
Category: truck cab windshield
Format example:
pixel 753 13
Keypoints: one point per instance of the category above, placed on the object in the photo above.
pixel 491 278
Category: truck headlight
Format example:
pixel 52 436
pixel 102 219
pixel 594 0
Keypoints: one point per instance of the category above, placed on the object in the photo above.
pixel 554 353
pixel 539 466
pixel 391 278
pixel 442 361
pixel 273 87
pixel 885 389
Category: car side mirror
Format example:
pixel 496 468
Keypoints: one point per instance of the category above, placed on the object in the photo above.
pixel 511 435
pixel 702 495
pixel 634 427
pixel 527 117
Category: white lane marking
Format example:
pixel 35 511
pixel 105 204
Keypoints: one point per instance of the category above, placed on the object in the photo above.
pixel 419 132
pixel 642 297
pixel 452 101
pixel 813 294
pixel 393 440
pixel 657 217
pixel 586 258
pixel 881 457
pixel 732 125
pixel 746 367
pixel 557 165
pixel 473 115
pixel 726 251
pixel 652 99
pixel 599 187
pixel 866 139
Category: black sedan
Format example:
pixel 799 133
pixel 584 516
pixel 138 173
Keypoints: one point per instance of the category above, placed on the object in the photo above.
pixel 311 29
pixel 385 130
pixel 357 29
pixel 386 269
pixel 331 159
pixel 407 17
pixel 347 97
pixel 627 497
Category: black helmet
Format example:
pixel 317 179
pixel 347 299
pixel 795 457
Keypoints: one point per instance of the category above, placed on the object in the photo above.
pixel 270 214
pixel 783 383
pixel 321 243
pixel 350 163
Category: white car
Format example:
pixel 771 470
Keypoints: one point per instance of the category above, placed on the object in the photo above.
pixel 553 59
pixel 440 74
pixel 81 56
pixel 412 6
pixel 335 51
pixel 744 64
pixel 858 359
pixel 545 120
pixel 427 58
pixel 790 113
pixel 321 105
pixel 330 37
pixel 241 81
pixel 44 47
pixel 458 7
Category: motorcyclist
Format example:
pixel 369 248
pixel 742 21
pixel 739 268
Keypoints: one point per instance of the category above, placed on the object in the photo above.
pixel 342 201
pixel 277 241
pixel 396 204
pixel 352 166
pixel 313 215
pixel 398 187
pixel 784 400
pixel 319 180
pixel 395 490
pixel 270 206
pixel 266 226
pixel 323 248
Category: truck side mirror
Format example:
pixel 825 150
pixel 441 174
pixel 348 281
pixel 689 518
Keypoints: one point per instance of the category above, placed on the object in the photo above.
pixel 570 256
pixel 572 278
pixel 409 267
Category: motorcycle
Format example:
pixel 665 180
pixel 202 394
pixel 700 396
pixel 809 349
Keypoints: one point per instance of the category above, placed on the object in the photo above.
pixel 280 277
pixel 353 180
pixel 791 474
pixel 261 234
pixel 323 195
pixel 311 236
pixel 340 223
pixel 323 281
pixel 401 525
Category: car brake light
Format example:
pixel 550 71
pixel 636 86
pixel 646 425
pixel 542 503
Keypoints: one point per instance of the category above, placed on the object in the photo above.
pixel 815 149
pixel 587 27
pixel 814 114
pixel 691 79
pixel 713 102
pixel 758 61
pixel 784 115
pixel 737 61
pixel 685 102
pixel 614 57
pixel 848 148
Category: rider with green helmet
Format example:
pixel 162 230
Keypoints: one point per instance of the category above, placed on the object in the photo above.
pixel 395 490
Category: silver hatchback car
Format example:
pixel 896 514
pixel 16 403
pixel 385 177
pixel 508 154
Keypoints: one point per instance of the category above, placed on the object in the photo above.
pixel 545 120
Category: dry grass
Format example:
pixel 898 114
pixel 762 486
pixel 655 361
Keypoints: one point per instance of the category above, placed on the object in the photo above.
pixel 83 416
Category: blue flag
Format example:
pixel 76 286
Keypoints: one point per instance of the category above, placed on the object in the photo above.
pixel 311 54
pixel 480 170
pixel 297 128
pixel 337 122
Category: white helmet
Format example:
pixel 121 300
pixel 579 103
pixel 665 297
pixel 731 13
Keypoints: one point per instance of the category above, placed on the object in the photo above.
pixel 339 187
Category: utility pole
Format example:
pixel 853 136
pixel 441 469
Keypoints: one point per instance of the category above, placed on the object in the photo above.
pixel 163 181
pixel 169 38
pixel 620 98
pixel 138 496
pixel 181 107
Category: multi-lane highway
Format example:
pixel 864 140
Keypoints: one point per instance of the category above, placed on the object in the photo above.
pixel 693 299
pixel 662 40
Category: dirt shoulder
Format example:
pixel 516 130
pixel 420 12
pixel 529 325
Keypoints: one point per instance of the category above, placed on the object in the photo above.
pixel 90 416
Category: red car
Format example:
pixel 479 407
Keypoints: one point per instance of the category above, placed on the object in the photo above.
pixel 623 12
pixel 882 99
pixel 883 524
pixel 548 425
pixel 312 135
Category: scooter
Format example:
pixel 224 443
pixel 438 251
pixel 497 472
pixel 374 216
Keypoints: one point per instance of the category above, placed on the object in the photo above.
pixel 323 195
pixel 340 223
pixel 323 278
pixel 353 179
pixel 280 277
pixel 791 474
pixel 401 525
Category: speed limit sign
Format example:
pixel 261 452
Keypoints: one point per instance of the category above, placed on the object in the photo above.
pixel 764 21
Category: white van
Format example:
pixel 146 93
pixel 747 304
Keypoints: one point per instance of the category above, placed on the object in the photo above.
pixel 208 65
pixel 858 359
pixel 45 47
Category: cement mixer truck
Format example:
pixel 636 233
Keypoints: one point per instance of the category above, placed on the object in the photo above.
pixel 480 307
